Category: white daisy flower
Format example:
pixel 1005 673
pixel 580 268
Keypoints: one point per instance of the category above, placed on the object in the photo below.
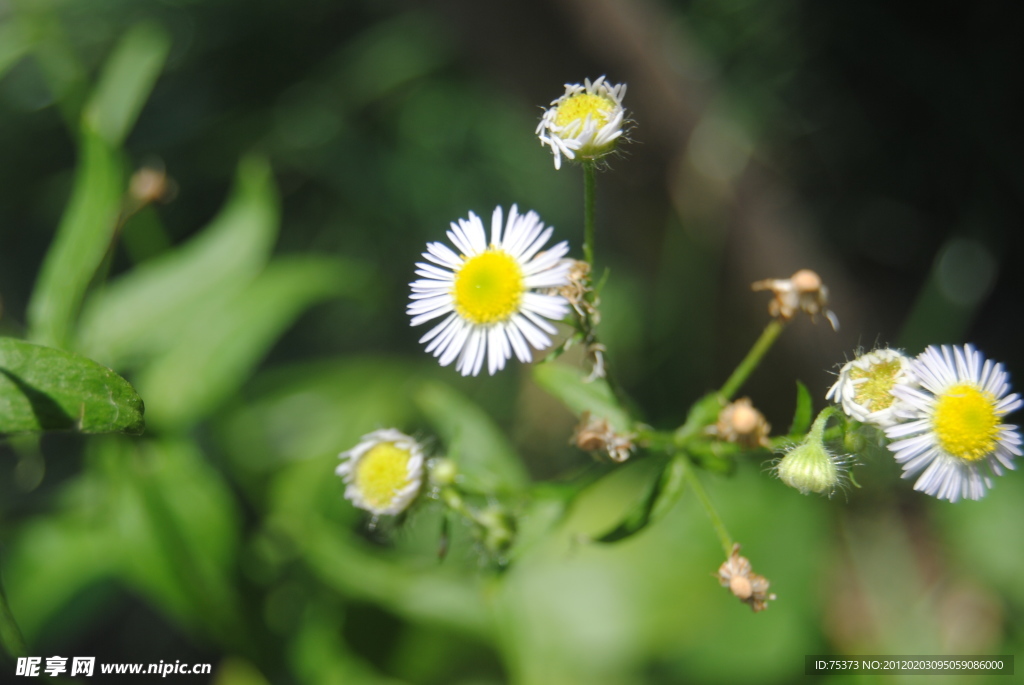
pixel 953 423
pixel 864 388
pixel 487 293
pixel 585 121
pixel 384 472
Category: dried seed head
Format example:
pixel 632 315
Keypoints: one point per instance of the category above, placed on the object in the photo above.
pixel 750 588
pixel 803 291
pixel 741 423
pixel 596 435
pixel 577 291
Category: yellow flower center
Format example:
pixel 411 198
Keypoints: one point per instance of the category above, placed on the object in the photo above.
pixel 381 473
pixel 875 393
pixel 966 422
pixel 489 287
pixel 574 111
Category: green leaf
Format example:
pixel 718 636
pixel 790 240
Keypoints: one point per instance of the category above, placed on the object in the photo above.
pixel 804 411
pixel 485 458
pixel 664 493
pixel 217 350
pixel 142 313
pixel 127 79
pixel 83 238
pixel 42 388
pixel 568 385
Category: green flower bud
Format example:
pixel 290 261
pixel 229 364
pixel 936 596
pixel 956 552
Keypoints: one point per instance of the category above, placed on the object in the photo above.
pixel 810 466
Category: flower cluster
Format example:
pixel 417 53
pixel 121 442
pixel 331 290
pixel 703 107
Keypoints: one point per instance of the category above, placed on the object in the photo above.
pixel 942 411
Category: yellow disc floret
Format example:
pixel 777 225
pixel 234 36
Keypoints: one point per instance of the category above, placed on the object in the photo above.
pixel 875 392
pixel 966 422
pixel 489 287
pixel 574 110
pixel 382 473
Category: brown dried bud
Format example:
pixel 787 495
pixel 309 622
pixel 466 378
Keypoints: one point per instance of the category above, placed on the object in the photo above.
pixel 741 423
pixel 577 290
pixel 151 184
pixel 750 588
pixel 803 291
pixel 596 435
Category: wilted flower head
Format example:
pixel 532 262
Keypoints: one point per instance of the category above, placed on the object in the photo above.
pixel 384 472
pixel 738 575
pixel 585 122
pixel 952 425
pixel 595 434
pixel 811 466
pixel 803 291
pixel 865 386
pixel 492 295
pixel 740 422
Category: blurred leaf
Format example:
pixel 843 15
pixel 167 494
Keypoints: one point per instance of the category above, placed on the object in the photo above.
pixel 664 493
pixel 320 658
pixel 46 389
pixel 13 45
pixel 486 460
pixel 391 54
pixel 236 671
pixel 143 312
pixel 177 520
pixel 214 354
pixel 308 410
pixel 431 595
pixel 568 385
pixel 126 81
pixel 51 560
pixel 804 410
pixel 83 238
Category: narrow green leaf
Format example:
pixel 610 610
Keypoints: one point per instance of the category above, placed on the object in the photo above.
pixel 485 458
pixel 804 411
pixel 568 385
pixel 216 351
pixel 42 388
pixel 664 493
pixel 141 314
pixel 83 238
pixel 126 81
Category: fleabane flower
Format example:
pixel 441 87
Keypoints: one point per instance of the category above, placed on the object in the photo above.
pixel 585 122
pixel 488 292
pixel 864 388
pixel 953 426
pixel 384 472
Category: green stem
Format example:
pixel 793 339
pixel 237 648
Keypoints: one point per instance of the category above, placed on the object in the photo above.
pixel 753 358
pixel 716 520
pixel 589 195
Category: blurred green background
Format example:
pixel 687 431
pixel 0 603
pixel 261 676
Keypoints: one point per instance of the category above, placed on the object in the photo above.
pixel 315 146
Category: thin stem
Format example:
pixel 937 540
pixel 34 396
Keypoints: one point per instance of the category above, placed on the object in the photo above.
pixel 716 520
pixel 753 358
pixel 589 195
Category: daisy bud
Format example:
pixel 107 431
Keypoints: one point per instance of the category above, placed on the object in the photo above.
pixel 810 466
